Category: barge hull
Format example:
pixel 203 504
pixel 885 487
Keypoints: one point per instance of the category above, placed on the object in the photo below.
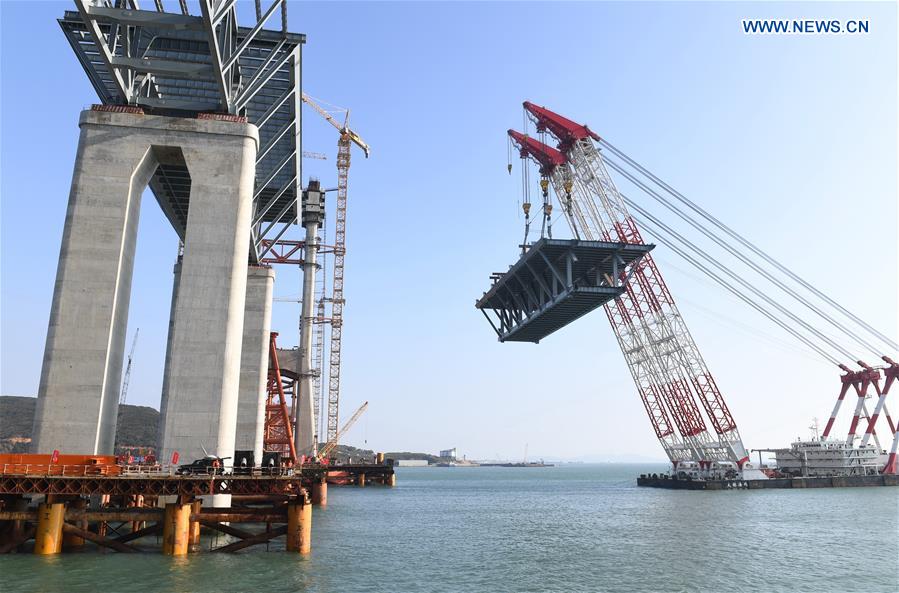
pixel 818 482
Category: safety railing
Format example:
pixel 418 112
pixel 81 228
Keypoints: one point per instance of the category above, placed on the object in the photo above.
pixel 51 469
pixel 139 470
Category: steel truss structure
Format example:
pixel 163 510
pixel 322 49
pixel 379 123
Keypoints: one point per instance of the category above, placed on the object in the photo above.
pixel 186 65
pixel 288 251
pixel 281 386
pixel 555 282
pixel 662 356
pixel 167 485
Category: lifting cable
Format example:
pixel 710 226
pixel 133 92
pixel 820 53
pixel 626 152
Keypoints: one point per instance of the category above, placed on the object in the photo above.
pixel 657 224
pixel 742 257
pixel 749 245
pixel 739 294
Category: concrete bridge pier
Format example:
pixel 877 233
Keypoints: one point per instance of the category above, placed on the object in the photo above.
pixel 254 361
pixel 118 153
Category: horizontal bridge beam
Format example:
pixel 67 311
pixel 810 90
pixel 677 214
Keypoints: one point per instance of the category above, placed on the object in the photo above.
pixel 146 18
pixel 165 67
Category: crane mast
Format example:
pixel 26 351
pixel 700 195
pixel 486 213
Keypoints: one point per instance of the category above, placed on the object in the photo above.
pixel 663 359
pixel 347 138
pixel 337 300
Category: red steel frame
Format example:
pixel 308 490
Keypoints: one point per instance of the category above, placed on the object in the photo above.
pixel 278 435
pixel 288 251
pixel 860 381
pixel 891 376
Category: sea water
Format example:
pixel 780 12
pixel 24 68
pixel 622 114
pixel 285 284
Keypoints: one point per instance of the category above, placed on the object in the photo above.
pixel 563 528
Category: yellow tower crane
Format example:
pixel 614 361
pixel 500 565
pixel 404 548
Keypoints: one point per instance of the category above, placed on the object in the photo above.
pixel 347 138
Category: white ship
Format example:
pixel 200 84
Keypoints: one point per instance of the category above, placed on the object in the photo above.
pixel 826 457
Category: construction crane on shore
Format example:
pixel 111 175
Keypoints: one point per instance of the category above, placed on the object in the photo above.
pixel 664 360
pixel 127 380
pixel 332 443
pixel 347 138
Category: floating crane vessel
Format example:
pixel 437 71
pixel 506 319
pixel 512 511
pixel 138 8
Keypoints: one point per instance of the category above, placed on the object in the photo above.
pixel 608 264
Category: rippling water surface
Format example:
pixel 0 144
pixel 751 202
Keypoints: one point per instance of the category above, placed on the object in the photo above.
pixel 567 528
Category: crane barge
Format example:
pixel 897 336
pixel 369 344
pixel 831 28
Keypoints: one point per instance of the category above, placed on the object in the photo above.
pixel 701 439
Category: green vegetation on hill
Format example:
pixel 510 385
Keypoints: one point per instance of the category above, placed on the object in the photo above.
pixel 409 455
pixel 16 416
pixel 137 425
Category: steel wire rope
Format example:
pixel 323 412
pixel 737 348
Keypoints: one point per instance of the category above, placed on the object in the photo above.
pixel 710 312
pixel 725 284
pixel 748 330
pixel 700 252
pixel 749 245
pixel 742 257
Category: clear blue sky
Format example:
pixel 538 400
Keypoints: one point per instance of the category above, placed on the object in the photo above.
pixel 791 139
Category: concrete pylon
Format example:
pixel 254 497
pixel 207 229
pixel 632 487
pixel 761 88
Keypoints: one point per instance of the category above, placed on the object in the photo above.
pixel 176 272
pixel 254 362
pixel 207 330
pixel 81 377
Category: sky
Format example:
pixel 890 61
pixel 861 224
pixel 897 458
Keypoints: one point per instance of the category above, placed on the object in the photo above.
pixel 791 140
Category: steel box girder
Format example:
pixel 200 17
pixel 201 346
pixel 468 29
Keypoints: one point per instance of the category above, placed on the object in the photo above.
pixel 555 282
